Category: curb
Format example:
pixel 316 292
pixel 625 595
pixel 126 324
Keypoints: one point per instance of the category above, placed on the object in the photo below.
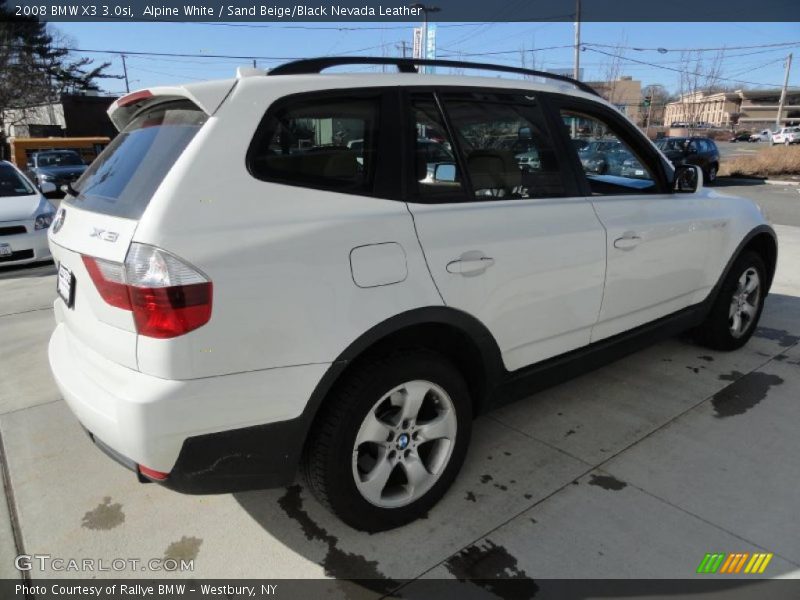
pixel 747 180
pixel 781 182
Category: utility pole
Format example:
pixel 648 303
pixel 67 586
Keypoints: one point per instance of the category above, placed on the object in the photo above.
pixel 425 10
pixel 125 71
pixel 783 92
pixel 403 47
pixel 576 72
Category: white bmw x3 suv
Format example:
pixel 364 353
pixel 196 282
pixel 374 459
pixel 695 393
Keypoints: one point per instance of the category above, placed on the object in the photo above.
pixel 339 271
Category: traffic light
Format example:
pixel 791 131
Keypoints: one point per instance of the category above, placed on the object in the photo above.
pixel 647 100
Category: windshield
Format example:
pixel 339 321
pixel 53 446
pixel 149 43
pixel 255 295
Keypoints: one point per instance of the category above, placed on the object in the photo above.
pixel 600 146
pixel 676 144
pixel 58 159
pixel 127 173
pixel 13 184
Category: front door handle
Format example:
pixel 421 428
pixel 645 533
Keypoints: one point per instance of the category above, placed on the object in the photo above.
pixel 628 241
pixel 470 263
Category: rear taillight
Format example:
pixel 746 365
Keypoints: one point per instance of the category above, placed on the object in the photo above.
pixel 109 279
pixel 167 297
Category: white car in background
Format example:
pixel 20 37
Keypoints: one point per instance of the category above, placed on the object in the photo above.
pixel 786 136
pixel 25 215
pixel 764 135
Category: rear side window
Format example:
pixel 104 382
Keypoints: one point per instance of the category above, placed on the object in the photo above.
pixel 327 142
pixel 121 181
pixel 506 147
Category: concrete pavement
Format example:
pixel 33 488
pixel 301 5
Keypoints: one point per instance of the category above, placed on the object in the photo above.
pixel 635 470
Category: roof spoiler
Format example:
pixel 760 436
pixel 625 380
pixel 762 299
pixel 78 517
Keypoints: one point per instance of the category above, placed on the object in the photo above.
pixel 208 96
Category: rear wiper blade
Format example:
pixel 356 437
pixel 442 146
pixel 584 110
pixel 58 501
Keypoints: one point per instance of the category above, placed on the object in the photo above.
pixel 67 187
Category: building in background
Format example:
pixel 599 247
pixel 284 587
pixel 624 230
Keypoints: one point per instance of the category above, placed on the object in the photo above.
pixel 625 93
pixel 719 109
pixel 749 109
pixel 759 108
pixel 74 115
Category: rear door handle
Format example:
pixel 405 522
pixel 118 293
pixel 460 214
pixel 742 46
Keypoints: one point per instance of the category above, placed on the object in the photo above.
pixel 628 241
pixel 470 263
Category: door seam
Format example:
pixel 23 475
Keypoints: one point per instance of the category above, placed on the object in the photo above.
pixel 605 270
pixel 424 256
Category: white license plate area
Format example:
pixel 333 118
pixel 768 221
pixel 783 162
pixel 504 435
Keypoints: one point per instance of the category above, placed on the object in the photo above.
pixel 65 285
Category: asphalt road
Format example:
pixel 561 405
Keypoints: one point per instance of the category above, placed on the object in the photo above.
pixel 781 202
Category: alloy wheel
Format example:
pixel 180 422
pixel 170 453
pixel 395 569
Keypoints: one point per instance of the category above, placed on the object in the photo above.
pixel 745 303
pixel 404 444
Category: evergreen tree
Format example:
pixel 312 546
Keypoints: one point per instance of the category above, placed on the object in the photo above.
pixel 34 70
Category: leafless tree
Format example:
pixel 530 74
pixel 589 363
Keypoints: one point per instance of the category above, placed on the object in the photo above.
pixel 700 75
pixel 36 67
pixel 612 71
pixel 527 59
pixel 659 96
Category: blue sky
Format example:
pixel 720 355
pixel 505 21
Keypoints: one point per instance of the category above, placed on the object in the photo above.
pixel 491 42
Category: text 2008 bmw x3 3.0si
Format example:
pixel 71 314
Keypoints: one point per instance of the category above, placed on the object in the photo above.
pixel 339 271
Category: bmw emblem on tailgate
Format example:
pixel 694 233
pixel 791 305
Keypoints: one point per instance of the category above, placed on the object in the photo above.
pixel 60 216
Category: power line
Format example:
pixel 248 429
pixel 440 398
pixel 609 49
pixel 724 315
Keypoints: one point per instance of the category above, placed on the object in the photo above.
pixel 176 54
pixel 657 66
pixel 454 52
pixel 662 50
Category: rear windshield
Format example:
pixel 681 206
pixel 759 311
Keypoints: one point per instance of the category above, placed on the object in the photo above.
pixel 121 181
pixel 12 183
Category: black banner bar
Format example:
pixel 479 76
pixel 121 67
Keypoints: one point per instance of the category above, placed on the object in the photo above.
pixel 511 588
pixel 338 11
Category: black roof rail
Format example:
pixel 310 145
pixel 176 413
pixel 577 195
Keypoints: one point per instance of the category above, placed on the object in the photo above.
pixel 307 66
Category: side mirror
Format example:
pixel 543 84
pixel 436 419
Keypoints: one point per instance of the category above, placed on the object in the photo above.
pixel 445 172
pixel 47 187
pixel 688 179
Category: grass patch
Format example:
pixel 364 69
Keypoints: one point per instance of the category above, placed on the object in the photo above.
pixel 767 162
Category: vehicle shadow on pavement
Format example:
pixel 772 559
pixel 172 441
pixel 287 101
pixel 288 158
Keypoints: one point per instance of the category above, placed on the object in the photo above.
pixel 38 269
pixel 722 182
pixel 544 454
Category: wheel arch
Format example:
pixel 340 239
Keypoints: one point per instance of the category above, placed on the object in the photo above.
pixel 761 239
pixel 457 335
pixel 766 245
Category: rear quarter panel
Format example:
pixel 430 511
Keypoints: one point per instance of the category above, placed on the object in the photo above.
pixel 278 255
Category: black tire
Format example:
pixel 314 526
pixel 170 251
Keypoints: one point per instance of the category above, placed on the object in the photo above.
pixel 711 174
pixel 715 332
pixel 327 462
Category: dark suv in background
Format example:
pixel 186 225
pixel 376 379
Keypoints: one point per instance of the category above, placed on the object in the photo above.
pixel 700 151
pixel 59 167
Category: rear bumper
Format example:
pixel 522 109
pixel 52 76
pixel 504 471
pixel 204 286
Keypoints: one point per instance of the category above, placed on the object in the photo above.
pixel 215 434
pixel 26 248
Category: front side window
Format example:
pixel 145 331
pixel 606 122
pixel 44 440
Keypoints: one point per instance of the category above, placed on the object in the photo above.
pixel 436 171
pixel 610 164
pixel 506 147
pixel 327 143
